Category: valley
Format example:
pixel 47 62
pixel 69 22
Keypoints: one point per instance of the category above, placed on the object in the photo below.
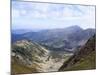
pixel 40 58
pixel 52 37
pixel 49 50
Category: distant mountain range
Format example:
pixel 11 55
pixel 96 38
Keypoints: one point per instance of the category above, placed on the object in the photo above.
pixel 57 39
pixel 20 31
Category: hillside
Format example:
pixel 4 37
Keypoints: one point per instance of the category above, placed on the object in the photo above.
pixel 26 56
pixel 53 50
pixel 30 57
pixel 83 59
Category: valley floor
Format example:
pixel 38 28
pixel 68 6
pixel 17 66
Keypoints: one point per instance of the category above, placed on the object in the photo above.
pixel 52 65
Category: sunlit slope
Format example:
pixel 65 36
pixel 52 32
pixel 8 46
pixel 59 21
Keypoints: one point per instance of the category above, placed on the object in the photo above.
pixel 26 56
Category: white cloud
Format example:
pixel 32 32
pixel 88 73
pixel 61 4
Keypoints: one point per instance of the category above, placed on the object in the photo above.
pixel 15 13
pixel 26 13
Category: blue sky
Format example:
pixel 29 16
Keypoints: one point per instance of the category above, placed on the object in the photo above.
pixel 30 15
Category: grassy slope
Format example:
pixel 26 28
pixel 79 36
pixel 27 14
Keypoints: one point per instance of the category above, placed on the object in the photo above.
pixel 84 59
pixel 85 63
pixel 18 68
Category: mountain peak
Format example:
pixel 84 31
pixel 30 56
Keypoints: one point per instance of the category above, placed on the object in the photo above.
pixel 75 27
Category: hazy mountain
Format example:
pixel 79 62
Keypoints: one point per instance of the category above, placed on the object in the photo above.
pixel 84 58
pixel 20 31
pixel 65 38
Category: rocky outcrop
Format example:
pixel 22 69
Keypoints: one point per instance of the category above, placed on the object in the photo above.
pixel 28 54
pixel 84 58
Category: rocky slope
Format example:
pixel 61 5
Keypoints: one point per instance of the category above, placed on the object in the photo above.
pixel 84 58
pixel 28 54
pixel 30 57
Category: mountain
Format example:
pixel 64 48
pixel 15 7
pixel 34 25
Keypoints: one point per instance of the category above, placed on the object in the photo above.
pixel 20 31
pixel 30 57
pixel 53 50
pixel 58 39
pixel 83 59
pixel 26 55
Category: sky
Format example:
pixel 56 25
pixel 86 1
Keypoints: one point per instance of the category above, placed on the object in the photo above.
pixel 32 15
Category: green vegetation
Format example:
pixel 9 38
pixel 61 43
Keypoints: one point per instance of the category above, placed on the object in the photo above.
pixel 84 59
pixel 27 56
pixel 18 68
pixel 86 63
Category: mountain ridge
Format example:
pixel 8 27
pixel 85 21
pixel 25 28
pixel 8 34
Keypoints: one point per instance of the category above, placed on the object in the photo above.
pixel 67 37
pixel 83 59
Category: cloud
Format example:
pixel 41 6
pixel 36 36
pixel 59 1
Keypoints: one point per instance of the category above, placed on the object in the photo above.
pixel 45 15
